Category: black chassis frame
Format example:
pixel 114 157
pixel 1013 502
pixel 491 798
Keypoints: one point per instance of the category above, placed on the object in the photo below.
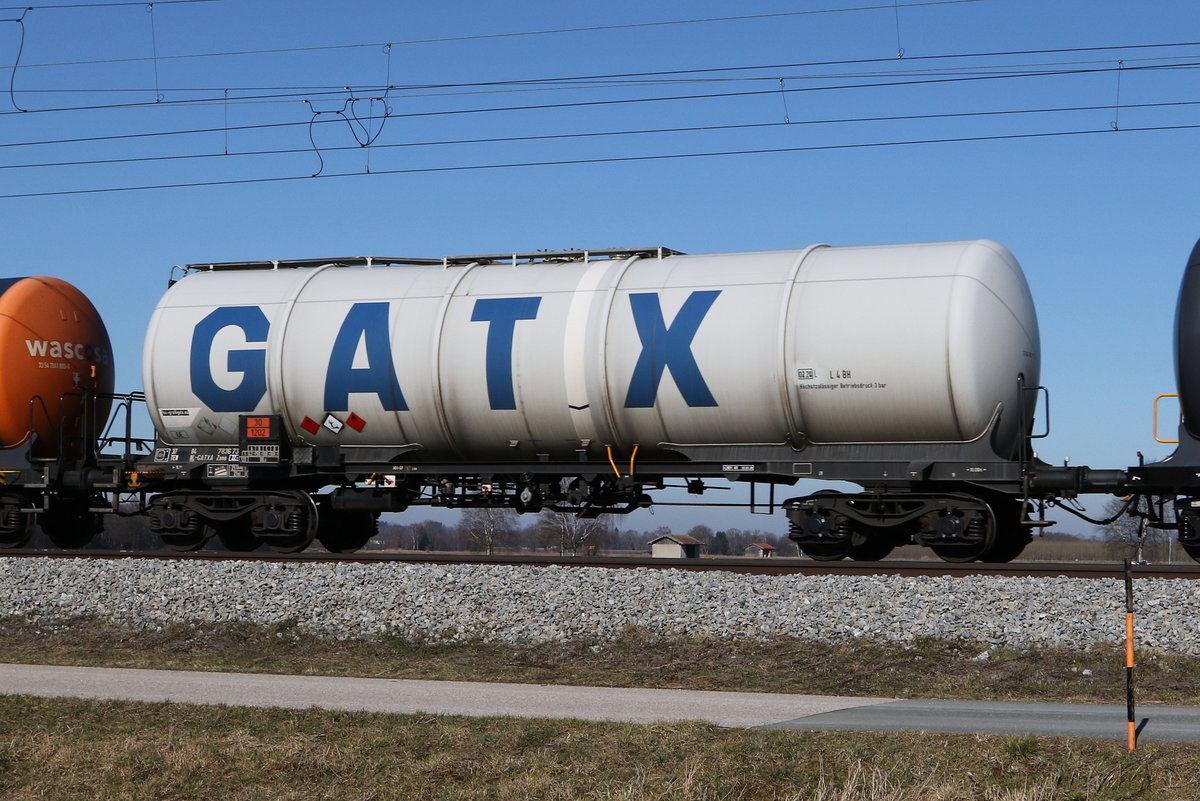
pixel 1176 478
pixel 932 493
pixel 911 479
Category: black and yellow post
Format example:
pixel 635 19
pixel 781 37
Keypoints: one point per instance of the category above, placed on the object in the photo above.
pixel 1129 705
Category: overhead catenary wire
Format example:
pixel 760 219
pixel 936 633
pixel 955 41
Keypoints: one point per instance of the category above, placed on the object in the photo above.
pixel 12 78
pixel 60 6
pixel 1055 69
pixel 603 82
pixel 158 97
pixel 891 78
pixel 555 136
pixel 691 71
pixel 483 36
pixel 603 160
pixel 660 98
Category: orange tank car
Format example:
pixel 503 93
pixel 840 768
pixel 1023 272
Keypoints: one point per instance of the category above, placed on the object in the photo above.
pixel 53 347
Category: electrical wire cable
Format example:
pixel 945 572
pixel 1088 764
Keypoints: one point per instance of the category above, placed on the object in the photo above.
pixel 567 136
pixel 505 35
pixel 614 76
pixel 628 79
pixel 1106 522
pixel 12 78
pixel 656 99
pixel 367 139
pixel 60 6
pixel 692 71
pixel 605 160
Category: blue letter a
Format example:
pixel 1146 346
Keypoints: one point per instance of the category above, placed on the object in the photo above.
pixel 366 323
pixel 664 347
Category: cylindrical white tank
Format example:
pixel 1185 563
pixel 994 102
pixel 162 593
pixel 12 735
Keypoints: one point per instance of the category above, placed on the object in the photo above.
pixel 503 362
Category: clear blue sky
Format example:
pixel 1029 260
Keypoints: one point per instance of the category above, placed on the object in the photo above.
pixel 1102 223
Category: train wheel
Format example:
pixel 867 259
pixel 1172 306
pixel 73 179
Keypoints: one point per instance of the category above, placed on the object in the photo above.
pixel 871 549
pixel 190 541
pixel 235 535
pixel 293 544
pixel 1008 548
pixel 823 536
pixel 825 553
pixel 178 528
pixel 1189 535
pixel 346 532
pixel 862 543
pixel 70 525
pixel 1011 536
pixel 16 526
pixel 299 518
pixel 980 536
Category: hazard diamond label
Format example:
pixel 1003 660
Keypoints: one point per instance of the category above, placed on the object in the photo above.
pixel 333 424
pixel 356 422
pixel 310 425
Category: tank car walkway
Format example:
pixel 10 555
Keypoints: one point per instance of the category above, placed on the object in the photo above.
pixel 632 705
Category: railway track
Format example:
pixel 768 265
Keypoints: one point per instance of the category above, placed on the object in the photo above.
pixel 772 567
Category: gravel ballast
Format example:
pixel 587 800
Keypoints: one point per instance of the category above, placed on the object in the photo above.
pixel 538 604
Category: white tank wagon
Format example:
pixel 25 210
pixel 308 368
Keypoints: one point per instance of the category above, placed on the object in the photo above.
pixel 582 380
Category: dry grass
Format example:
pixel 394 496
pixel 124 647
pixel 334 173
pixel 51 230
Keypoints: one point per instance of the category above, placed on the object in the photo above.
pixel 928 669
pixel 100 751
pixel 67 749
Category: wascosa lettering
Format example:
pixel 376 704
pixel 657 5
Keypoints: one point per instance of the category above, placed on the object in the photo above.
pixel 360 361
pixel 52 348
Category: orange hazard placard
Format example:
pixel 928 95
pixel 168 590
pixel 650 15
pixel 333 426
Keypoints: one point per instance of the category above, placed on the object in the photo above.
pixel 258 428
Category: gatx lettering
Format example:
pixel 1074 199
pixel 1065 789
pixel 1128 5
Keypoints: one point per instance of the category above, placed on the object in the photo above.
pixel 364 330
pixel 361 362
pixel 668 348
pixel 502 314
pixel 251 363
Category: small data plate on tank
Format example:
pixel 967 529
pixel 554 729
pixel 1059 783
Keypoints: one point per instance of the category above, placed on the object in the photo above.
pixel 225 471
pixel 260 454
pixel 260 438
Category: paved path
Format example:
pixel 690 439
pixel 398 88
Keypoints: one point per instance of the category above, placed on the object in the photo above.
pixel 408 696
pixel 765 710
pixel 1102 721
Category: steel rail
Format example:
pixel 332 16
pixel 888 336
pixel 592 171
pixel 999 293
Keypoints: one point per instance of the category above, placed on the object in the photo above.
pixel 774 566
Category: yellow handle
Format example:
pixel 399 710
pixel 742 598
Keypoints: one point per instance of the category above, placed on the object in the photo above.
pixel 1156 400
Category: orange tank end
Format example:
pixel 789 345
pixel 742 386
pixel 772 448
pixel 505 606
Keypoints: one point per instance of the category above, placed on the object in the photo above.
pixel 53 347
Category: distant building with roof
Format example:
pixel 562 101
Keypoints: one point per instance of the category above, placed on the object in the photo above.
pixel 763 550
pixel 675 546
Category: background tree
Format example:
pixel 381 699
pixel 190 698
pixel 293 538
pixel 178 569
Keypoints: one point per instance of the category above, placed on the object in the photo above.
pixel 487 528
pixel 571 532
pixel 628 539
pixel 702 533
pixel 1122 535
pixel 389 537
pixel 430 535
pixel 719 545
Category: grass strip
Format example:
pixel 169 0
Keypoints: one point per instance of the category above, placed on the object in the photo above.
pixel 70 749
pixel 926 669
